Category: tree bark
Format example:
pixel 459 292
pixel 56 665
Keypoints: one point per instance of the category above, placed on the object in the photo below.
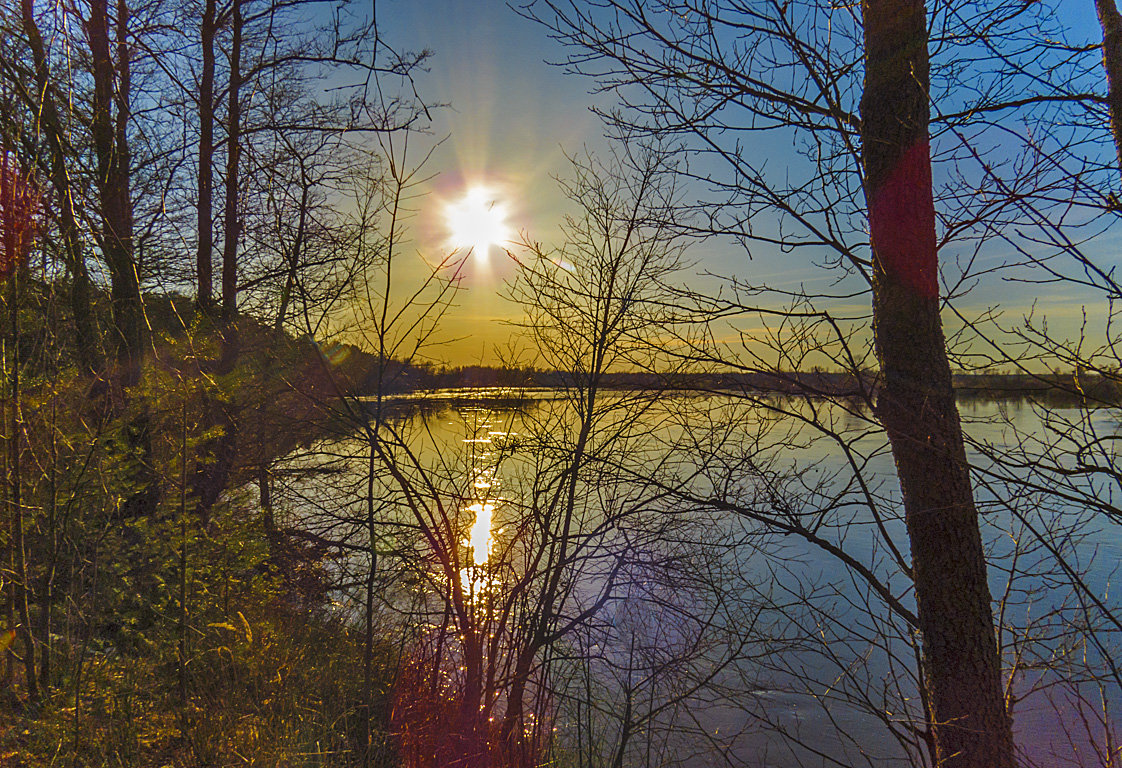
pixel 231 218
pixel 204 297
pixel 916 401
pixel 110 138
pixel 109 128
pixel 86 343
pixel 212 476
pixel 1111 23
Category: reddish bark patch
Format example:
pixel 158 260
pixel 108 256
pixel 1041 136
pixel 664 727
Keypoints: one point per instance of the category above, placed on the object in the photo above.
pixel 19 206
pixel 902 222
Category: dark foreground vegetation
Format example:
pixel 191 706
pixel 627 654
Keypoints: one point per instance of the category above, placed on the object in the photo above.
pixel 155 612
pixel 164 617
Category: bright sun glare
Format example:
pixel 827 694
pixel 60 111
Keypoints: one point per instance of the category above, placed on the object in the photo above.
pixel 477 221
pixel 480 539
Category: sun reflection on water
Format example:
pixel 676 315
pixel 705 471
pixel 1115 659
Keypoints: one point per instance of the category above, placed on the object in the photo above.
pixel 480 538
pixel 486 443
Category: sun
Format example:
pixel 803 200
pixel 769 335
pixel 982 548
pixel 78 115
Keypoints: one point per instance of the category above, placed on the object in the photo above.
pixel 477 221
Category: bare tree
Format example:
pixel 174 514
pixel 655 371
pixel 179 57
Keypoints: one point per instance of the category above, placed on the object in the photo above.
pixel 525 534
pixel 43 101
pixel 855 92
pixel 916 401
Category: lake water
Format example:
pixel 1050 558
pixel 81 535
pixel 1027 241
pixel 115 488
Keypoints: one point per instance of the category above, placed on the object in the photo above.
pixel 718 572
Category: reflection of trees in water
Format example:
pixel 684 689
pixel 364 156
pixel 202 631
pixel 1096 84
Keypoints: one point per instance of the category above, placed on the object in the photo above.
pixel 573 522
pixel 1023 196
pixel 749 612
pixel 638 575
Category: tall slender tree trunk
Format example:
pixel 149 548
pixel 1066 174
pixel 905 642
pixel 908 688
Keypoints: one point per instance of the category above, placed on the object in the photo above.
pixel 211 476
pixel 50 569
pixel 204 298
pixel 20 582
pixel 111 148
pixel 232 213
pixel 86 342
pixel 181 650
pixel 112 114
pixel 916 401
pixel 368 623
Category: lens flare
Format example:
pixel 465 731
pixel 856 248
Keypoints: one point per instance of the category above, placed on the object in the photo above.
pixel 477 221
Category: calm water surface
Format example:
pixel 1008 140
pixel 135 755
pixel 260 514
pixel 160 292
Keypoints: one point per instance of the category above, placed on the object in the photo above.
pixel 768 651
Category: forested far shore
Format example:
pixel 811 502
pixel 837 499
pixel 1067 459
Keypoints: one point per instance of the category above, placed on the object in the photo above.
pixel 1055 388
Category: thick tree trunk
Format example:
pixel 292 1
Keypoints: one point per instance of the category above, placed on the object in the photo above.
pixel 133 311
pixel 916 401
pixel 112 114
pixel 204 297
pixel 1111 23
pixel 86 342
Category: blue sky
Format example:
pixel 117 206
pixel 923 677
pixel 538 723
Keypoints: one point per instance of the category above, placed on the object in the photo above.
pixel 510 118
pixel 509 114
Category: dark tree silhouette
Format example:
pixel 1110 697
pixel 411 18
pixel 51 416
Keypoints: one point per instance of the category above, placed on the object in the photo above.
pixel 916 401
